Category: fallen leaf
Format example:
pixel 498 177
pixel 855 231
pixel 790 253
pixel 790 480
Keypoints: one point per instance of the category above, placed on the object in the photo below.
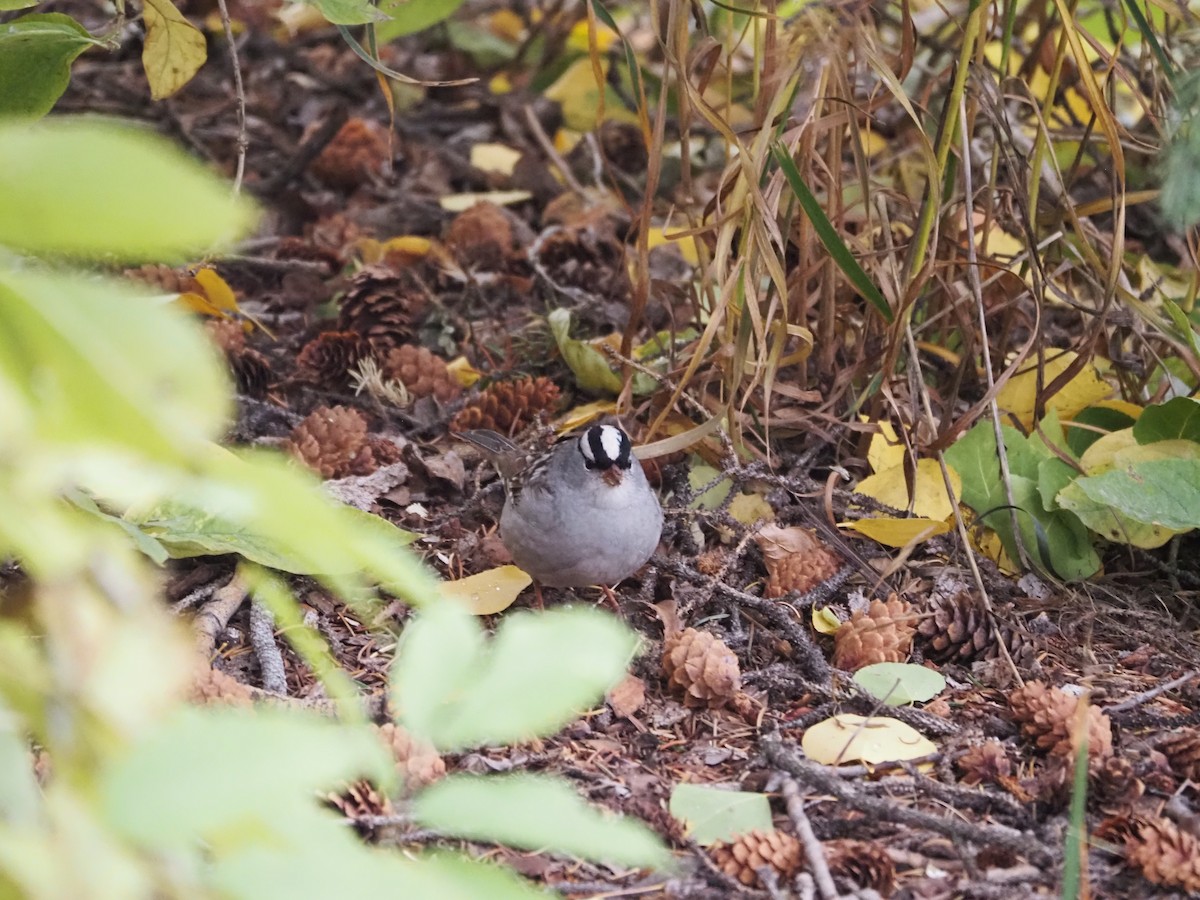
pixel 849 738
pixel 463 202
pixel 825 620
pixel 498 158
pixel 628 696
pixel 893 532
pixel 487 593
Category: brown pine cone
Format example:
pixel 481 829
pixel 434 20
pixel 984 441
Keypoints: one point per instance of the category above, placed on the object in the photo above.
pixel 361 800
pixel 1165 854
pixel 481 238
pixel 796 559
pixel 382 305
pixel 298 248
pixel 700 665
pixel 741 857
pixel 1117 782
pixel 986 762
pixel 508 406
pixel 212 686
pixel 421 372
pixel 357 154
pixel 1182 751
pixel 958 628
pixel 250 369
pixel 884 633
pixel 165 279
pixel 588 257
pixel 332 441
pixel 416 760
pixel 330 357
pixel 335 234
pixel 1047 715
pixel 863 864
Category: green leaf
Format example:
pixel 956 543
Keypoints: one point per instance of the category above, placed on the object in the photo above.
pixel 411 16
pixel 211 773
pixel 95 188
pixel 589 366
pixel 1097 417
pixel 898 684
pixel 1179 418
pixel 20 796
pixel 717 487
pixel 1164 492
pixel 6 5
pixel 344 867
pixel 711 814
pixel 829 236
pixel 36 52
pixel 348 12
pixel 147 545
pixel 537 674
pixel 106 369
pixel 535 812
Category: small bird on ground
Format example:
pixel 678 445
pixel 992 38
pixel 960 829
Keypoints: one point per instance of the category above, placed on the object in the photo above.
pixel 579 514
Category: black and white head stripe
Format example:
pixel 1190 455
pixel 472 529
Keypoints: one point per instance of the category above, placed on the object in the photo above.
pixel 605 446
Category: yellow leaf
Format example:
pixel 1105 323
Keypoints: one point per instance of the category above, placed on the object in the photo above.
pixel 463 202
pixel 825 620
pixel 931 500
pixel 506 24
pixel 495 158
pixel 577 92
pixel 849 738
pixel 462 370
pixel 174 49
pixel 749 508
pixel 1099 457
pixel 578 39
pixel 199 303
pixel 656 237
pixel 500 84
pixel 218 291
pixel 581 415
pixel 488 592
pixel 409 245
pixel 893 532
pixel 886 450
pixel 1123 406
pixel 1082 391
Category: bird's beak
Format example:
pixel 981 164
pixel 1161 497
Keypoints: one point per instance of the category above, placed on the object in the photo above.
pixel 612 476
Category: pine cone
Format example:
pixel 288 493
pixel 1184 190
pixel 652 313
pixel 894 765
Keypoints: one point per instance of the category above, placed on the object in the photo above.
pixel 588 257
pixel 884 633
pixel 1165 854
pixel 1117 782
pixel 701 666
pixel 330 357
pixel 212 686
pixel 297 248
pixel 250 369
pixel 356 155
pixel 796 560
pixel 382 305
pixel 740 857
pixel 335 234
pixel 361 800
pixel 863 864
pixel 958 628
pixel 332 441
pixel 166 279
pixel 417 761
pixel 986 762
pixel 481 238
pixel 1047 715
pixel 508 406
pixel 421 372
pixel 1182 751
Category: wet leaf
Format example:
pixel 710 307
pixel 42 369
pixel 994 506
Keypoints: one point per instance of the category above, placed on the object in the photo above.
pixel 490 592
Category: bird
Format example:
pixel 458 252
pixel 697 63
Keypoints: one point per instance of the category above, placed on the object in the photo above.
pixel 581 512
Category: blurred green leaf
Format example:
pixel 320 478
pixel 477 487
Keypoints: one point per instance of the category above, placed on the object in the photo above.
pixel 95 188
pixel 348 12
pixel 898 684
pixel 711 814
pixel 36 52
pixel 535 812
pixel 536 675
pixel 410 16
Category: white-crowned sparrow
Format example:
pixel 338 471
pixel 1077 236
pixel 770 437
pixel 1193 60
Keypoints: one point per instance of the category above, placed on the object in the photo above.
pixel 581 513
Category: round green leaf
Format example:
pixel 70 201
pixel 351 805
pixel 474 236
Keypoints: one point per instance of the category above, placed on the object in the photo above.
pixel 898 684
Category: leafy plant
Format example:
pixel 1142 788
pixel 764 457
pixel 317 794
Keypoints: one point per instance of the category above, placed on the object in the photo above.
pixel 107 394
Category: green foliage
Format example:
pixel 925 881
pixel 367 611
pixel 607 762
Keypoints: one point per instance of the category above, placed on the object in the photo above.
pixel 348 12
pixel 112 182
pixel 898 684
pixel 458 690
pixel 110 396
pixel 410 16
pixel 36 52
pixel 1052 537
pixel 712 814
pixel 1180 194
pixel 1179 418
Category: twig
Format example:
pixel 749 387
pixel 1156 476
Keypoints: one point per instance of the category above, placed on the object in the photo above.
pixel 243 140
pixel 199 595
pixel 270 659
pixel 780 756
pixel 212 618
pixel 307 152
pixel 1138 699
pixel 547 145
pixel 813 849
